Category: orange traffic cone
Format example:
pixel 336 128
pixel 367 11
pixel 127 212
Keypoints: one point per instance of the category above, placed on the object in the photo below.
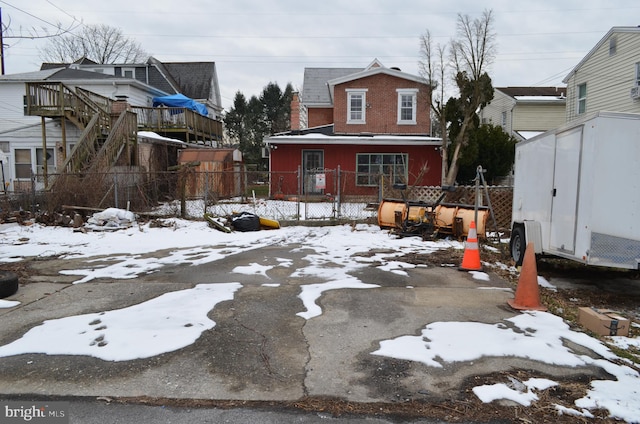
pixel 471 258
pixel 527 292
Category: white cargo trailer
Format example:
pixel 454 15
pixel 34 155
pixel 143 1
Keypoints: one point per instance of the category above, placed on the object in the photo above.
pixel 577 192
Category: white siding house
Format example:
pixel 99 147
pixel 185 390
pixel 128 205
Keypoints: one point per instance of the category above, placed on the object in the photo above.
pixel 608 77
pixel 21 136
pixel 525 111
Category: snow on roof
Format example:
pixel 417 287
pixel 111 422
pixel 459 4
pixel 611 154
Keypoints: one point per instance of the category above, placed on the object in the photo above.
pixel 559 99
pixel 378 140
pixel 529 134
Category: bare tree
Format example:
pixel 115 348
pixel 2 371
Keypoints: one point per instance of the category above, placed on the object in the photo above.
pixel 433 67
pixel 99 43
pixel 9 38
pixel 467 57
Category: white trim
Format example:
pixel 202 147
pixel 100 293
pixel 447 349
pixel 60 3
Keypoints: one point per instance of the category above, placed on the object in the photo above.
pixel 581 99
pixel 413 92
pixel 357 92
pixel 377 140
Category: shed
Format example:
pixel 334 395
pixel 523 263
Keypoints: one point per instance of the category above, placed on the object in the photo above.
pixel 214 172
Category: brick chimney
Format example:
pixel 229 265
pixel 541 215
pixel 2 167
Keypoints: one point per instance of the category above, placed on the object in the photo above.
pixel 121 104
pixel 295 111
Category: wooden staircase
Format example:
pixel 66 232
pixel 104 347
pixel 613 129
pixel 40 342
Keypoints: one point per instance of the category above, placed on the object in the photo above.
pixel 102 141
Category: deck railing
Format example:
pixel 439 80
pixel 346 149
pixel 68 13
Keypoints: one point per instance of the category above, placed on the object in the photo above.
pixel 178 119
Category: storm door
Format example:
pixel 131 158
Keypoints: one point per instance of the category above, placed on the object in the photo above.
pixel 312 170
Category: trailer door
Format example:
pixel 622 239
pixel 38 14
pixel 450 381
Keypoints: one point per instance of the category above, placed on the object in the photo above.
pixel 564 204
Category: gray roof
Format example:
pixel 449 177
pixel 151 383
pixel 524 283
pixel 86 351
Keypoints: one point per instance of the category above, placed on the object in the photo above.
pixel 197 80
pixel 315 90
pixel 75 74
pixel 533 91
pixel 30 76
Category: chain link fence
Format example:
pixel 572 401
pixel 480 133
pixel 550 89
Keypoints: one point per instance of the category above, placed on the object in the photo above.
pixel 311 196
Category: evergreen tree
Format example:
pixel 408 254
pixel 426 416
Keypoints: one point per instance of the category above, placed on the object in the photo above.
pixel 249 122
pixel 490 147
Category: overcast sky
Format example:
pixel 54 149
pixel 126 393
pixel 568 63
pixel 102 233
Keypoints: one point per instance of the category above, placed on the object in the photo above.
pixel 254 42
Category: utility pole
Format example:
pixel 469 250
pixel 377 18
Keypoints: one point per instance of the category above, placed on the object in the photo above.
pixel 1 46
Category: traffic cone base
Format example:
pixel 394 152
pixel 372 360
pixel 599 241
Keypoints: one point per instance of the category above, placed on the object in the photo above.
pixel 471 258
pixel 527 295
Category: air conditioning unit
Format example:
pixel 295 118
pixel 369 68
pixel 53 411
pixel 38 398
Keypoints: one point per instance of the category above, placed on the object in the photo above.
pixel 635 93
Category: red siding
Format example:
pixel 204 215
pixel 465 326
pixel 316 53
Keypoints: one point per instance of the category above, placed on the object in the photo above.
pixel 286 159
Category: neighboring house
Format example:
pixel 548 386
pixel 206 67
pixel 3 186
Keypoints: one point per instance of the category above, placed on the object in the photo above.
pixel 196 80
pixel 524 112
pixel 85 117
pixel 608 77
pixel 369 123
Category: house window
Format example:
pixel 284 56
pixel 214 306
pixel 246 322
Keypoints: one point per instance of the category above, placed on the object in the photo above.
pixel 504 120
pixel 582 98
pixel 356 102
pixel 128 72
pixel 637 74
pixel 407 106
pixel 40 160
pixel 612 45
pixel 23 163
pixel 370 166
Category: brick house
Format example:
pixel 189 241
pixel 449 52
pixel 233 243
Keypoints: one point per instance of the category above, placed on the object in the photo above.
pixel 372 124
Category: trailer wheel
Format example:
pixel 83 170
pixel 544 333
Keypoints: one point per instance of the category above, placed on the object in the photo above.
pixel 8 284
pixel 518 244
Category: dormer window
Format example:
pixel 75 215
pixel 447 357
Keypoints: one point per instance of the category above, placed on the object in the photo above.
pixel 356 106
pixel 128 72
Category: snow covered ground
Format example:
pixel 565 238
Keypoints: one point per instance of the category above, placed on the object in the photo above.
pixel 535 335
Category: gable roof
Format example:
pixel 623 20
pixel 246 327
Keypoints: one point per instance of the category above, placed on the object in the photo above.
pixel 614 30
pixel 318 84
pixel 195 79
pixel 376 68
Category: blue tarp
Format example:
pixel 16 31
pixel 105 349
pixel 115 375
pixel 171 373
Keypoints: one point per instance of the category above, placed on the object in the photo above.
pixel 180 100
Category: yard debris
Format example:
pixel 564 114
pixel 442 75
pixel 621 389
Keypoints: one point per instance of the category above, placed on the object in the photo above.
pixel 217 223
pixel 111 219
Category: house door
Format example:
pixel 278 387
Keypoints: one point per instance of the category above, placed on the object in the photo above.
pixel 564 203
pixel 312 167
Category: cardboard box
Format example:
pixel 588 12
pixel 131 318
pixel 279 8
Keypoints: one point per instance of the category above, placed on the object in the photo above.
pixel 604 322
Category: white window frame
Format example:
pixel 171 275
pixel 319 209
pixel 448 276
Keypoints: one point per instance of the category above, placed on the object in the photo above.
pixel 35 164
pixel 637 74
pixel 132 70
pixel 413 93
pixel 504 120
pixel 581 102
pixel 352 94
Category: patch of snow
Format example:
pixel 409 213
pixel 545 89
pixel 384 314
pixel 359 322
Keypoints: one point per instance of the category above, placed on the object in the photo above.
pixel 164 324
pixel 8 303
